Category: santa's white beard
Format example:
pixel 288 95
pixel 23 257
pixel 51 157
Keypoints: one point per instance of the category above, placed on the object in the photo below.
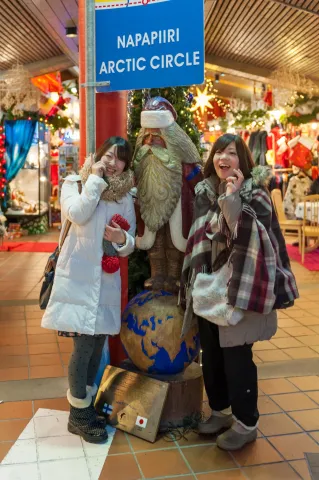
pixel 158 189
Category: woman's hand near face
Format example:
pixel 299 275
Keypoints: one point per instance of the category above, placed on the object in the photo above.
pixel 99 169
pixel 234 182
pixel 114 234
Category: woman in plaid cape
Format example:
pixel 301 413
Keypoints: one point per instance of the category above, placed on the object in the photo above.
pixel 235 240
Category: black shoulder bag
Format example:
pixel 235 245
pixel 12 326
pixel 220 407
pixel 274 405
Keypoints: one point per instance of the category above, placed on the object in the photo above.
pixel 50 267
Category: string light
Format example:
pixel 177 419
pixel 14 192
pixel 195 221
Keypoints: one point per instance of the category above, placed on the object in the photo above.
pixel 204 102
pixel 3 170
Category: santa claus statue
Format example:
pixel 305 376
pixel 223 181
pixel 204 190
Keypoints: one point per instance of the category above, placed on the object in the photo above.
pixel 167 166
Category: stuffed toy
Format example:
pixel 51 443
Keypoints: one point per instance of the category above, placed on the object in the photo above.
pixel 3 230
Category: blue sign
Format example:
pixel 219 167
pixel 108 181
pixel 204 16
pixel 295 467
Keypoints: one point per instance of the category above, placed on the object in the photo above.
pixel 149 43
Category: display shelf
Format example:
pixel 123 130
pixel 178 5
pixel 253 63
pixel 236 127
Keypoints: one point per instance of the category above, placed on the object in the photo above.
pixel 31 188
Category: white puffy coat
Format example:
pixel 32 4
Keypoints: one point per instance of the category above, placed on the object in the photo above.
pixel 85 299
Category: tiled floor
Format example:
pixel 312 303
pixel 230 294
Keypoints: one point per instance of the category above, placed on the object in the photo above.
pixel 27 350
pixel 45 450
pixel 289 427
pixel 289 407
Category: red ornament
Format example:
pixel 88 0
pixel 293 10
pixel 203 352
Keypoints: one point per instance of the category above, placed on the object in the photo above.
pixel 110 264
pixel 54 110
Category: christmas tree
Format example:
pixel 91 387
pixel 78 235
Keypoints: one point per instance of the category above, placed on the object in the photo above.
pixel 181 99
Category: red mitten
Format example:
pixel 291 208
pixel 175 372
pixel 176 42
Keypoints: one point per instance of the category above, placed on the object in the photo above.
pixel 111 263
pixel 122 222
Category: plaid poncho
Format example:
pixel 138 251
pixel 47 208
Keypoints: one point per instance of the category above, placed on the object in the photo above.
pixel 262 279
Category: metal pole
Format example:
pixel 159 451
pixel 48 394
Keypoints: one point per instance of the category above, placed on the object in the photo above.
pixel 90 75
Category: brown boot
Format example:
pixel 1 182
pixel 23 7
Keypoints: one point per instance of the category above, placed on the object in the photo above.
pixel 157 258
pixel 174 259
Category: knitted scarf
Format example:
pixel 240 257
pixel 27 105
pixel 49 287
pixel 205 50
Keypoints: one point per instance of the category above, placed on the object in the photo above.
pixel 199 247
pixel 118 185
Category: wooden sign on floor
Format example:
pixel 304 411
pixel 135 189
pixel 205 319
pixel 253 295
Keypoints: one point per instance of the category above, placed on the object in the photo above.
pixel 132 402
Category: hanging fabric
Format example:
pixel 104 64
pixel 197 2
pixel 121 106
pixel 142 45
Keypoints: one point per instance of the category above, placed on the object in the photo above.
pixel 258 147
pixel 19 135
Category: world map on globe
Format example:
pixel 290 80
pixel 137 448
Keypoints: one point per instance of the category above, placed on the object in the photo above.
pixel 151 334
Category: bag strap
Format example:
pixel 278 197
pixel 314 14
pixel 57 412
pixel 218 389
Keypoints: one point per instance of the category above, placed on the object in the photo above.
pixel 68 223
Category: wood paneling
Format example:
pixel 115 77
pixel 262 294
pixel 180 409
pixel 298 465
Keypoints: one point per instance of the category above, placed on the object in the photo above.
pixel 34 31
pixel 270 34
pixel 22 39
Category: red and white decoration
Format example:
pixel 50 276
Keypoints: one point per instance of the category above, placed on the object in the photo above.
pixel 141 422
pixel 3 170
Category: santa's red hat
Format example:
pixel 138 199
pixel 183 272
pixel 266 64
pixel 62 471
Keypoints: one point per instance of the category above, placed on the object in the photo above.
pixel 158 113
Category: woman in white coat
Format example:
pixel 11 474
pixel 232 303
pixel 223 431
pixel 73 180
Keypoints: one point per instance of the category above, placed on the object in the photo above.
pixel 85 300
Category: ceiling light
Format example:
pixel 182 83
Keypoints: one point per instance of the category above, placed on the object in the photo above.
pixel 71 32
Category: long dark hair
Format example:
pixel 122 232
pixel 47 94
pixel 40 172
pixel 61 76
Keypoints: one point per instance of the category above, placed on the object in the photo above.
pixel 246 163
pixel 123 150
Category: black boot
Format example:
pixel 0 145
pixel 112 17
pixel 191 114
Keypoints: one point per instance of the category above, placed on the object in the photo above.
pixel 92 390
pixel 83 420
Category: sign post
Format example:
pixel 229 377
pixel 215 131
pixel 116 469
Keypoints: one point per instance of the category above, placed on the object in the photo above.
pixel 149 43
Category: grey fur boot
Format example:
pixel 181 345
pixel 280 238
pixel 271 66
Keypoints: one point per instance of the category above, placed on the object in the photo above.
pixel 83 420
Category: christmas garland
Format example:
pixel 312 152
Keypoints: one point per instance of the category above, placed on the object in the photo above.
pixel 246 118
pixel 296 118
pixel 53 119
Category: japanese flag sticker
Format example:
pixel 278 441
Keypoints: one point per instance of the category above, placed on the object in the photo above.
pixel 141 422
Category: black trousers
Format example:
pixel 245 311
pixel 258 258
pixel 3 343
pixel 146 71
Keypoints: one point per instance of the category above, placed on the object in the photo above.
pixel 230 375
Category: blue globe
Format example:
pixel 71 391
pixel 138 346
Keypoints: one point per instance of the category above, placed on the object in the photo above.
pixel 151 334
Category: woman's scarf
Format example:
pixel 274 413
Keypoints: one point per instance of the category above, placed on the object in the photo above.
pixel 262 279
pixel 116 188
pixel 118 185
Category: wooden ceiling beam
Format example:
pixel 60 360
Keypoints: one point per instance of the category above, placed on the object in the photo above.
pixel 53 64
pixel 239 69
pixel 51 23
pixel 296 7
pixel 255 20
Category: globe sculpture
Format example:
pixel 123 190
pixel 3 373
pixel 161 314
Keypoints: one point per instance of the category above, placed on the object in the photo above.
pixel 151 334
